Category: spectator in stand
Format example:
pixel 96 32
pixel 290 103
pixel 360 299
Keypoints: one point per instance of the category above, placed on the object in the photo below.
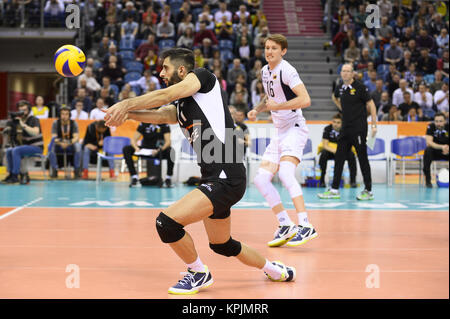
pixel 442 41
pixel 253 5
pixel 392 115
pixel 103 48
pixel 394 53
pixel 407 36
pixel 244 51
pixel 258 42
pixel 187 39
pixel 258 94
pixel 259 18
pixel 421 24
pixel 437 83
pixel 91 81
pixel 204 33
pixel 110 92
pixel 252 75
pixel 399 27
pixel 414 116
pixel 129 28
pixel 351 55
pixel 97 114
pixel 360 17
pixel 224 29
pixel 77 113
pixel 441 99
pixel 223 12
pixel 257 56
pixel 426 63
pixel 81 96
pixel 385 8
pixel 443 64
pixel 371 82
pixel 242 11
pixel 112 30
pixel 425 100
pixel 150 61
pixel 243 27
pixel 222 81
pixel 112 52
pixel 198 58
pixel 166 12
pixel 407 104
pixel 375 94
pixel 384 33
pixel 40 110
pixel 239 89
pixel 130 10
pixel 165 29
pixel 425 41
pixel 185 24
pixel 54 13
pixel 126 92
pixel 184 11
pixel 146 28
pixel 142 51
pixel 415 53
pixel 365 74
pixel 398 95
pixel 234 71
pixel 365 37
pixel 436 25
pixel 363 62
pixel 384 104
pixel 145 80
pixel 350 36
pixel 437 144
pixel 206 15
pixel 394 84
pixel 404 64
pixel 114 71
pixel 150 12
pixel 418 80
pixel 373 52
pixel 207 49
pixel 410 75
pixel 92 143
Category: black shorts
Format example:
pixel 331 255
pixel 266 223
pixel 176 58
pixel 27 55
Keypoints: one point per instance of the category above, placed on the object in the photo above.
pixel 223 193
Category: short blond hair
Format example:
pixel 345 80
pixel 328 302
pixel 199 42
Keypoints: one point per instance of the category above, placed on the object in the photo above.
pixel 279 39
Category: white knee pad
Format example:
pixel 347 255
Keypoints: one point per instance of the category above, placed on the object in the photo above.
pixel 287 177
pixel 263 181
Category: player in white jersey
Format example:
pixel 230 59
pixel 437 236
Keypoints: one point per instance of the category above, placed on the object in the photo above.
pixel 286 95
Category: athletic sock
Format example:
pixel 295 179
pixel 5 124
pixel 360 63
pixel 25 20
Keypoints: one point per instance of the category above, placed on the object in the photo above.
pixel 283 219
pixel 134 177
pixel 303 219
pixel 169 177
pixel 197 265
pixel 334 190
pixel 273 271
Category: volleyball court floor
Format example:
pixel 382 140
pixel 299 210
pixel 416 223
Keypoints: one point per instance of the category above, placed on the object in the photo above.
pixel 74 239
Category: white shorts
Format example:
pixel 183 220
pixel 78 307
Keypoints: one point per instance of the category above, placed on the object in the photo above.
pixel 289 142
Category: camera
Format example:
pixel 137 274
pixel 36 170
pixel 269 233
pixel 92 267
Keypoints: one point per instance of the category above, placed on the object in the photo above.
pixel 14 115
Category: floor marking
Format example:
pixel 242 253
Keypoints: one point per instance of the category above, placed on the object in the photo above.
pixel 21 207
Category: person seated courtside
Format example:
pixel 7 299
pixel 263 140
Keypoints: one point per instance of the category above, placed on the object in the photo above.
pixel 65 135
pixel 152 138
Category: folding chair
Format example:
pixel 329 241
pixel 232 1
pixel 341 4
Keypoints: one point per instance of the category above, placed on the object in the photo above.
pixel 112 145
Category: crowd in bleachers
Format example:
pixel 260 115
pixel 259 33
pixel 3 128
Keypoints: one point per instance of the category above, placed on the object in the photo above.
pixel 128 36
pixel 404 62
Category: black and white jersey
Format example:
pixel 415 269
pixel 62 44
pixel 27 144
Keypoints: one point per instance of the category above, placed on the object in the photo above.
pixel 278 84
pixel 207 124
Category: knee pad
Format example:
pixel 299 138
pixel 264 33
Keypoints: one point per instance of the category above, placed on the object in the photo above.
pixel 169 230
pixel 263 182
pixel 231 248
pixel 287 177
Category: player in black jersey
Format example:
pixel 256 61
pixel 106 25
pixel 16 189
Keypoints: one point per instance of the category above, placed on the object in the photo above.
pixel 206 122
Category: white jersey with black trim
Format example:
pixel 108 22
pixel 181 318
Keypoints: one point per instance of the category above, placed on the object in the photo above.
pixel 278 84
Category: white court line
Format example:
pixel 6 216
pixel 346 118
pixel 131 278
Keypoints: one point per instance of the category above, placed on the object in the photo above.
pixel 21 207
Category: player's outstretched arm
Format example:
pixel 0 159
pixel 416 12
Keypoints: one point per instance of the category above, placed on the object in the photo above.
pixel 117 114
pixel 163 115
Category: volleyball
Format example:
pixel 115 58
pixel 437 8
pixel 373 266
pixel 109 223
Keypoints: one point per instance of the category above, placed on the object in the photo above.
pixel 69 60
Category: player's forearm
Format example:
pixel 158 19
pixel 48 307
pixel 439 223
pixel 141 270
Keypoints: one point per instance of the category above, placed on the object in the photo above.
pixel 261 107
pixel 151 116
pixel 149 100
pixel 373 112
pixel 300 102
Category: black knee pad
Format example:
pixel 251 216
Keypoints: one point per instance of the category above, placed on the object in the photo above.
pixel 231 248
pixel 169 230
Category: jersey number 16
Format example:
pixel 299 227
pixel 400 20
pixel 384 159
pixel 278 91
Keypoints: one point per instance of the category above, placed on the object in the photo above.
pixel 270 88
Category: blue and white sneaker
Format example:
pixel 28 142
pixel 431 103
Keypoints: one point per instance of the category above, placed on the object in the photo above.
pixel 192 282
pixel 287 273
pixel 305 233
pixel 282 235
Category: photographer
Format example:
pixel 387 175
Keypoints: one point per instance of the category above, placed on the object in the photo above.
pixel 25 138
pixel 65 134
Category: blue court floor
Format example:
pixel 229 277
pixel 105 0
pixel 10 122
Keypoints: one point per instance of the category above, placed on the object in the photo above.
pixel 118 194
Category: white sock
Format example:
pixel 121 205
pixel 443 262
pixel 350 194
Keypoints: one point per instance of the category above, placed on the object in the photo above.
pixel 168 177
pixel 303 219
pixel 135 176
pixel 283 219
pixel 272 270
pixel 334 190
pixel 197 265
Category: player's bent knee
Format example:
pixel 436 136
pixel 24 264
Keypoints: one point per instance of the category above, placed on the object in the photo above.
pixel 231 248
pixel 287 177
pixel 169 230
